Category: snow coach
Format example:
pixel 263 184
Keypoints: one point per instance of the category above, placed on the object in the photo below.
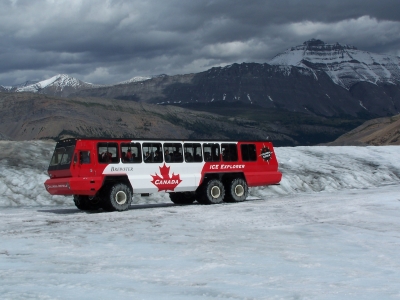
pixel 105 173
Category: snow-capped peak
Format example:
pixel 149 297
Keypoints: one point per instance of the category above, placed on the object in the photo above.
pixel 59 82
pixel 345 64
pixel 135 79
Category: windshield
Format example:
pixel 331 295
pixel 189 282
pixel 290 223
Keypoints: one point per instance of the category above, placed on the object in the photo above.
pixel 62 155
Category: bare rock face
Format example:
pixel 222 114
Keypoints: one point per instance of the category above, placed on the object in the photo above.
pixel 376 132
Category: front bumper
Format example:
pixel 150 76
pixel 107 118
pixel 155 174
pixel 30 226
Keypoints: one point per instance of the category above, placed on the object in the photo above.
pixel 73 186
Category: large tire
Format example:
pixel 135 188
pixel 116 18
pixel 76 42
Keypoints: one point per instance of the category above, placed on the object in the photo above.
pixel 119 198
pixel 212 192
pixel 86 202
pixel 183 198
pixel 237 190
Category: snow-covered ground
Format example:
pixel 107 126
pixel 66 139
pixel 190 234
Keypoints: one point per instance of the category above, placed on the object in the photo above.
pixel 331 230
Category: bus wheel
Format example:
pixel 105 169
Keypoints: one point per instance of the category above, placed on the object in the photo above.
pixel 184 198
pixel 86 202
pixel 119 198
pixel 213 192
pixel 237 190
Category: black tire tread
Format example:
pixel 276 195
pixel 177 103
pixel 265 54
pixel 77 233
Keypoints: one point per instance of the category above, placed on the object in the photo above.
pixel 203 193
pixel 109 204
pixel 182 198
pixel 83 202
pixel 230 190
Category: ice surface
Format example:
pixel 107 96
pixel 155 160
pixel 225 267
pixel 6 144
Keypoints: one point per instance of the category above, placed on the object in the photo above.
pixel 329 231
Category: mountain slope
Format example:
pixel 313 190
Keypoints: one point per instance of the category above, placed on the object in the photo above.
pixel 376 132
pixel 26 116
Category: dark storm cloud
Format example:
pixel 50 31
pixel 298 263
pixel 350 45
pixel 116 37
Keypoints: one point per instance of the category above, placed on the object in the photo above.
pixel 111 41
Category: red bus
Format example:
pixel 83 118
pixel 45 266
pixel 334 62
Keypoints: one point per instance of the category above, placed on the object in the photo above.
pixel 105 173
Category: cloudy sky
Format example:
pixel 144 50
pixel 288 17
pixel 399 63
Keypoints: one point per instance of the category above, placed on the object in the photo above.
pixel 113 40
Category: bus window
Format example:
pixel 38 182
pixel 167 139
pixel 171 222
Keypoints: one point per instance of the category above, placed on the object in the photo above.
pixel 152 153
pixel 131 153
pixel 248 152
pixel 84 157
pixel 229 152
pixel 193 152
pixel 173 153
pixel 108 152
pixel 211 152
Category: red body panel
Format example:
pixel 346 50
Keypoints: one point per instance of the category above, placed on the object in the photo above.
pixel 257 173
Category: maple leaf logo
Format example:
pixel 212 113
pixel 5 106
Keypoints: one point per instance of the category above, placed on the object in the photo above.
pixel 165 182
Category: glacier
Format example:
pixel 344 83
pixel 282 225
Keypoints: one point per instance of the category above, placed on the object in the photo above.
pixel 330 230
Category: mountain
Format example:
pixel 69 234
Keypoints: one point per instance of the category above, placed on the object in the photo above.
pixel 344 64
pixel 309 94
pixel 316 78
pixel 329 80
pixel 59 85
pixel 376 132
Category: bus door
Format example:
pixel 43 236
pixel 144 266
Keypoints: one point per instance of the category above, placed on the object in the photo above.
pixel 193 161
pixel 83 160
